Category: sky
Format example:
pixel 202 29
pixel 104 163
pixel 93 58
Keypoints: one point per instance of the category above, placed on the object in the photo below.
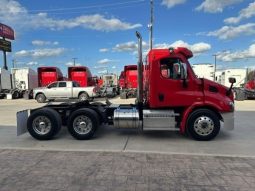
pixel 100 34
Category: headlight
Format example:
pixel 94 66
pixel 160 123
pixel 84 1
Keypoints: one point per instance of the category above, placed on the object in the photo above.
pixel 231 105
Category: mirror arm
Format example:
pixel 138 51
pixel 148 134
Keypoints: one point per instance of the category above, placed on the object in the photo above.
pixel 229 90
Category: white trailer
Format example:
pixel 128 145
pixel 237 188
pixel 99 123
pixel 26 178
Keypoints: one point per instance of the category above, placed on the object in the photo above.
pixel 238 74
pixel 24 79
pixel 110 85
pixel 218 76
pixel 5 82
pixel 204 71
pixel 110 80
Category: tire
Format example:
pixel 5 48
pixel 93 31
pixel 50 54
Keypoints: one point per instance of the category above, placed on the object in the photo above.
pixel 15 95
pixel 203 125
pixel 39 119
pixel 84 131
pixel 84 96
pixel 40 98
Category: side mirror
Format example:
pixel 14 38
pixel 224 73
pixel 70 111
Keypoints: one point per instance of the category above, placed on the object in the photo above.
pixel 232 80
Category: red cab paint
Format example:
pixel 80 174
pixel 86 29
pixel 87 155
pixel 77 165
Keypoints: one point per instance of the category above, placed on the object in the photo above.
pixel 47 75
pixel 82 75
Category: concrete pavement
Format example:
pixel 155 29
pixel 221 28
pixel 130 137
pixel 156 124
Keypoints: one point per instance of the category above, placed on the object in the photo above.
pixel 127 159
pixel 239 142
pixel 52 170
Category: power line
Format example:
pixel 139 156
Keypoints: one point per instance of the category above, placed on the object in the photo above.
pixel 86 7
pixel 91 11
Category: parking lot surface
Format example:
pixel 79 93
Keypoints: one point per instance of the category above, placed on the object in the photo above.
pixel 61 170
pixel 239 142
pixel 119 159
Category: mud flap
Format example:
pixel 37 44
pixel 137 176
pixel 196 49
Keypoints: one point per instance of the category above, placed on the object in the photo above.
pixel 22 117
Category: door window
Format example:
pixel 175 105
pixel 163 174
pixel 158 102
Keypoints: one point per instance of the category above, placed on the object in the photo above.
pixel 170 68
pixel 53 85
pixel 75 84
pixel 62 84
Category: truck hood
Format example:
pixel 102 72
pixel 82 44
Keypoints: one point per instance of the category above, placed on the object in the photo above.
pixel 215 87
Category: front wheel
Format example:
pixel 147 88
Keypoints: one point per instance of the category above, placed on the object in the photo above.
pixel 83 123
pixel 203 124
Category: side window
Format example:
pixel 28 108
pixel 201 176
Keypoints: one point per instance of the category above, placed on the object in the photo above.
pixel 170 68
pixel 62 84
pixel 75 84
pixel 53 85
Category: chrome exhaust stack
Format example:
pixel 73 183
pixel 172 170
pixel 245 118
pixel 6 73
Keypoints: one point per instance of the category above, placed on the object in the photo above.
pixel 140 69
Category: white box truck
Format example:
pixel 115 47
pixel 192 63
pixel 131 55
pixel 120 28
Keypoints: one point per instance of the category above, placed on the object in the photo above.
pixel 24 80
pixel 238 73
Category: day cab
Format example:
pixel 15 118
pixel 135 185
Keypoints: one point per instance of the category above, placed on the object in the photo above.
pixel 200 105
pixel 169 98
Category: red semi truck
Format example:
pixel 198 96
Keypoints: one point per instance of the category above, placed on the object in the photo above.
pixel 47 75
pixel 82 75
pixel 174 101
pixel 128 81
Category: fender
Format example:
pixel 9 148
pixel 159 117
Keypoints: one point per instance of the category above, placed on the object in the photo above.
pixel 191 108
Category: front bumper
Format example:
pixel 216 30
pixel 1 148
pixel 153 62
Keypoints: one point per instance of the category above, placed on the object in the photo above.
pixel 228 120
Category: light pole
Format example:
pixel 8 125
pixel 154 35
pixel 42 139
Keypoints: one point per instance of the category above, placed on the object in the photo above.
pixel 215 64
pixel 13 63
pixel 150 26
pixel 74 59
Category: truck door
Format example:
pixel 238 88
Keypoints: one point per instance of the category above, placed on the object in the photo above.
pixel 172 90
pixel 63 91
pixel 50 91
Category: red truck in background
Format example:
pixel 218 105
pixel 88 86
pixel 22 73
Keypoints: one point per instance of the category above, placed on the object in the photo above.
pixel 128 82
pixel 121 80
pixel 248 90
pixel 48 74
pixel 82 75
pixel 169 98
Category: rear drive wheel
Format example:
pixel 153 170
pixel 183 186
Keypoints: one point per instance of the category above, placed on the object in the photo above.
pixel 83 123
pixel 83 96
pixel 203 124
pixel 40 98
pixel 44 124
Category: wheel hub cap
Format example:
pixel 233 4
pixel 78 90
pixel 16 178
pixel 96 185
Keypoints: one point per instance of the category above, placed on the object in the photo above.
pixel 203 126
pixel 41 125
pixel 82 125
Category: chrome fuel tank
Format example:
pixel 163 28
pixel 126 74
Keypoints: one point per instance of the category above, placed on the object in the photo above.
pixel 126 118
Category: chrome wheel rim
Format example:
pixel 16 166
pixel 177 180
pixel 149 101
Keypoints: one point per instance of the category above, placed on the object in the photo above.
pixel 204 126
pixel 82 124
pixel 41 125
pixel 83 98
pixel 40 98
